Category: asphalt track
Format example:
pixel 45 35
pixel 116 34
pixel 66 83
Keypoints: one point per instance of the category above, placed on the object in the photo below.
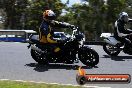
pixel 17 64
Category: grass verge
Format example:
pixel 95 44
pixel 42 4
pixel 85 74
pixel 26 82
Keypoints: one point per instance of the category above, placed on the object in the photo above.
pixel 16 84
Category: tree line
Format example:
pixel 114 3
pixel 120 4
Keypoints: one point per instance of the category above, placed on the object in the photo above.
pixel 93 16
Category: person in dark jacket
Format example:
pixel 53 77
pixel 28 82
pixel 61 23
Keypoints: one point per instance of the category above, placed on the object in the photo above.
pixel 46 30
pixel 121 33
pixel 47 27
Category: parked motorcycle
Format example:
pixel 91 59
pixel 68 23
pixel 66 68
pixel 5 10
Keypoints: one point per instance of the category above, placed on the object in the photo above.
pixel 113 47
pixel 69 51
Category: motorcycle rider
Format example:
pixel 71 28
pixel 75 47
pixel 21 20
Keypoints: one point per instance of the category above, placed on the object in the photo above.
pixel 46 30
pixel 120 32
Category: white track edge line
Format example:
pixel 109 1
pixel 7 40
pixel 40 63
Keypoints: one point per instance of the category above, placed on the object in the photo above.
pixel 52 83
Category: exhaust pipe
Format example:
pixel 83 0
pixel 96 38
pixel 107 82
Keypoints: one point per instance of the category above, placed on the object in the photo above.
pixel 36 49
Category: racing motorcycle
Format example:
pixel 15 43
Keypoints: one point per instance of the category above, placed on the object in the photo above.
pixel 69 51
pixel 113 47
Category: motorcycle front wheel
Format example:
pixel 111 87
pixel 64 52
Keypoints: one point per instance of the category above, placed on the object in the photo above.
pixel 38 57
pixel 88 56
pixel 111 50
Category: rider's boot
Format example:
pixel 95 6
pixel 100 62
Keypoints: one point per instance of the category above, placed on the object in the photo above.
pixel 126 48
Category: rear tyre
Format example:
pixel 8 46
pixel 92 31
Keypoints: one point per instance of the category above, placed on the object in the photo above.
pixel 41 59
pixel 111 50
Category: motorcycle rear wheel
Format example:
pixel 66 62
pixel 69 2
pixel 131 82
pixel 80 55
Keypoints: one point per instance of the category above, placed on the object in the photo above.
pixel 89 57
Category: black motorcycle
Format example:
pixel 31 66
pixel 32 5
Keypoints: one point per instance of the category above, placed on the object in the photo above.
pixel 69 51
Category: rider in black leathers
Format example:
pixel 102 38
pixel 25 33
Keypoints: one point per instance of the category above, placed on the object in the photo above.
pixel 120 32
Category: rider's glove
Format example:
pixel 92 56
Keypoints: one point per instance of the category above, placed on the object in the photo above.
pixel 61 41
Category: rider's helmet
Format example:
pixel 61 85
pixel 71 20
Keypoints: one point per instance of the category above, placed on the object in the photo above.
pixel 48 15
pixel 123 16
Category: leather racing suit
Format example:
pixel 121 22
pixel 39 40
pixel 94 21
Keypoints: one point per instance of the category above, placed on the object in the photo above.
pixel 46 31
pixel 121 33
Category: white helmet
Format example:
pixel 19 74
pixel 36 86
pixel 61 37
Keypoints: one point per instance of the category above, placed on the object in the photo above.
pixel 122 15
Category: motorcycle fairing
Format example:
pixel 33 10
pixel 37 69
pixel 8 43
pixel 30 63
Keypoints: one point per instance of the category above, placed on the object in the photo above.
pixel 111 40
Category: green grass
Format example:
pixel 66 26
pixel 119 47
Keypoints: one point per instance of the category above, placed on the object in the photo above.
pixel 15 84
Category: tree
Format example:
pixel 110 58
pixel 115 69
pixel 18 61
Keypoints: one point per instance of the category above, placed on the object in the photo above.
pixel 36 9
pixel 89 17
pixel 114 8
pixel 13 10
pixel 93 17
pixel 27 14
pixel 97 16
pixel 128 9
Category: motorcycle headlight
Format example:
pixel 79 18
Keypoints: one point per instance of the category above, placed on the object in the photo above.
pixel 81 42
pixel 79 37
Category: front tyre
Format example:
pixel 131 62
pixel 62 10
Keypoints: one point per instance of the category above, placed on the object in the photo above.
pixel 111 50
pixel 38 57
pixel 88 56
